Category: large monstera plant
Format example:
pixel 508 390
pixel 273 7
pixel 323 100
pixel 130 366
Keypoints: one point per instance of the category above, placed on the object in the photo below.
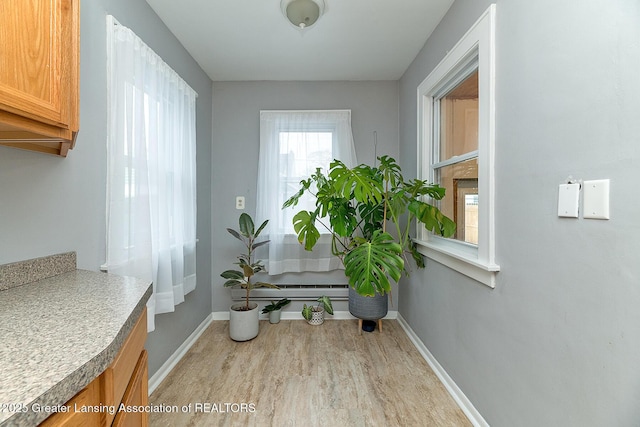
pixel 356 205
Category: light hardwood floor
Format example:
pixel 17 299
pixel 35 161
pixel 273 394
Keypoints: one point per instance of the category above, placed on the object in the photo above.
pixel 295 374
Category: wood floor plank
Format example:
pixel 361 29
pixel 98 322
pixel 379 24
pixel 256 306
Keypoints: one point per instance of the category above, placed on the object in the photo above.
pixel 295 374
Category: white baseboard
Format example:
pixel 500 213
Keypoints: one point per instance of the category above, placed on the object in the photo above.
pixel 220 315
pixel 296 315
pixel 463 402
pixel 166 368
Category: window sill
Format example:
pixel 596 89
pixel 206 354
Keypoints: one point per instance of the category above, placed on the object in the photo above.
pixel 460 261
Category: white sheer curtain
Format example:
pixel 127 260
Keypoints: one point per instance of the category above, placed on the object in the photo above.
pixel 151 177
pixel 292 145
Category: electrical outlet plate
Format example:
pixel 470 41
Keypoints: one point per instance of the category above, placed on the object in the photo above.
pixel 240 202
pixel 596 199
pixel 568 197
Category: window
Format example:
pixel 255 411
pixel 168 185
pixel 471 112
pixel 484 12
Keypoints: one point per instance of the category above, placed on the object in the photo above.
pixel 302 153
pixel 454 158
pixel 293 144
pixel 151 171
pixel 456 150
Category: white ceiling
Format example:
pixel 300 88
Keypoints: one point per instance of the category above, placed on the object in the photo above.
pixel 252 40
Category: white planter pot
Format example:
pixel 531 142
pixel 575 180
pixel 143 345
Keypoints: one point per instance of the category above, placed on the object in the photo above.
pixel 243 325
pixel 317 317
pixel 274 316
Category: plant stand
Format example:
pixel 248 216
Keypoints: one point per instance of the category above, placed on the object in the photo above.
pixel 378 322
pixel 368 308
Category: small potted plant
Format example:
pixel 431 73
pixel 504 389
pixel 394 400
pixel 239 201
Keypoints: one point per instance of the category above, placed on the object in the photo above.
pixel 275 309
pixel 314 314
pixel 243 317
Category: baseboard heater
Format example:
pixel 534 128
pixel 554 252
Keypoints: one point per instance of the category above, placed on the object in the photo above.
pixel 337 292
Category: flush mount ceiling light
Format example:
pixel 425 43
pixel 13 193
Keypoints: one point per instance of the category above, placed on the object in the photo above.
pixel 302 13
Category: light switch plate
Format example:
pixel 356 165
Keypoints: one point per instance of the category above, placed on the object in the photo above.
pixel 596 199
pixel 568 197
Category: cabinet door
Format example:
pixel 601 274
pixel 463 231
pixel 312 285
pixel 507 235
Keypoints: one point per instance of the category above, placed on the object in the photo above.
pixel 88 397
pixel 38 64
pixel 117 377
pixel 136 395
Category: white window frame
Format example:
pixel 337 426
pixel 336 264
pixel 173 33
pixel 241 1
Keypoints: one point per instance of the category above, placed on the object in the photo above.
pixel 477 262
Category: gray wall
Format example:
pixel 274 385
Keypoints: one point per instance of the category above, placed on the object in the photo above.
pixel 236 139
pixel 50 205
pixel 557 342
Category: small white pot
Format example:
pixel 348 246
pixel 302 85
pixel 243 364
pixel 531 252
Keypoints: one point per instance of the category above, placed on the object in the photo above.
pixel 274 316
pixel 317 317
pixel 243 325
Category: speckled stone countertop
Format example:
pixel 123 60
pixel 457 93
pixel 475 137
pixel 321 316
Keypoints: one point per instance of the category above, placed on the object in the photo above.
pixel 32 270
pixel 58 334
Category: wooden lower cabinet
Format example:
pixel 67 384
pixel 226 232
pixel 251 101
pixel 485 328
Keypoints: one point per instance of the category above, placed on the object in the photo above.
pixel 89 396
pixel 123 385
pixel 136 396
pixel 120 375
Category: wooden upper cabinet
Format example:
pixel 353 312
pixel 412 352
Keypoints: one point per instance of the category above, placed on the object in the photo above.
pixel 39 77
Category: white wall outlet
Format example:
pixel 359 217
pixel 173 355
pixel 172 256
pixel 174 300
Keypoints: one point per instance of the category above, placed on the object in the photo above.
pixel 568 198
pixel 240 202
pixel 596 199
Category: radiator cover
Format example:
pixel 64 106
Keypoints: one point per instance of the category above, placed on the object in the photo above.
pixel 337 292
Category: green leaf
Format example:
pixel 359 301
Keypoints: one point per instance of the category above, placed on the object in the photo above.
pixel 432 218
pixel 283 302
pixel 236 278
pixel 235 234
pixel 417 256
pixel 257 267
pixel 370 264
pixel 327 195
pixel 371 218
pixel 326 302
pixel 362 182
pixel 397 204
pixel 293 200
pixel 234 282
pixel 417 187
pixel 257 245
pixel 276 305
pixel 390 170
pixel 232 274
pixel 257 233
pixel 246 225
pixel 307 312
pixel 305 227
pixel 342 217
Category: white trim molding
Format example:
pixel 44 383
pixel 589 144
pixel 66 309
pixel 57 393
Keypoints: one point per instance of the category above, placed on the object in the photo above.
pixel 456 393
pixel 167 367
pixel 461 262
pixel 478 44
pixel 295 315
